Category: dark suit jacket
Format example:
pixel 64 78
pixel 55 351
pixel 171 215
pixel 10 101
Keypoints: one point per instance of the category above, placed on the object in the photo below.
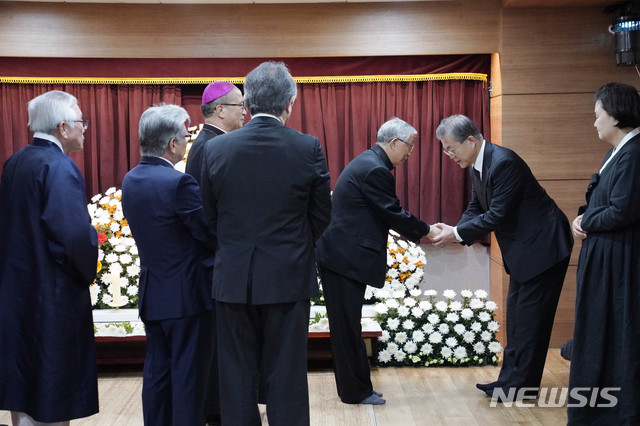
pixel 532 232
pixel 175 243
pixel 196 152
pixel 365 206
pixel 48 257
pixel 266 192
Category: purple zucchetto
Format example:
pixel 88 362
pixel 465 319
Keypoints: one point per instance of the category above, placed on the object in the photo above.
pixel 215 90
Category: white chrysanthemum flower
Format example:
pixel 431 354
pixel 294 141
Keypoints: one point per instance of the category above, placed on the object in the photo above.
pixel 392 272
pixel 390 260
pixel 385 336
pixel 414 280
pixel 118 194
pixel 417 312
pixel 466 314
pixel 426 349
pixel 481 294
pixel 115 268
pixel 392 303
pixel 403 244
pixel 484 316
pixel 466 293
pixel 425 305
pixel 401 337
pixel 435 337
pixel 443 328
pixel 132 290
pixel 449 294
pixel 408 325
pixel 493 326
pixel 384 356
pixel 137 262
pixel 418 336
pixel 403 267
pixel 126 258
pixel 100 255
pixel 486 336
pixel 393 323
pixel 442 306
pixel 315 327
pixel 95 198
pixel 126 230
pixel 490 306
pixel 392 347
pixel 410 302
pixel 495 347
pixel 368 293
pixel 452 317
pixel 381 308
pixel 410 347
pixel 118 215
pixel 460 352
pixel 104 200
pixel 110 191
pixel 399 355
pixel 428 328
pixel 403 311
pixel 451 342
pixel 391 245
pixel 111 258
pixel 459 328
pixel 415 292
pixel 469 336
pixel 383 293
pixel 476 326
pixel 114 227
pixel 476 304
pixel 433 318
pixel 400 292
pixel 479 348
pixel 446 352
pixel 133 270
pixel 120 248
pixel 430 293
pixel 455 306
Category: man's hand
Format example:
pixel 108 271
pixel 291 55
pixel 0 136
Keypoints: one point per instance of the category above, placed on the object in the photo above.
pixel 576 229
pixel 446 235
pixel 433 231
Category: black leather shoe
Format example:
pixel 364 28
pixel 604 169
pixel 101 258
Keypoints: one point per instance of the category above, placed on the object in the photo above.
pixel 484 387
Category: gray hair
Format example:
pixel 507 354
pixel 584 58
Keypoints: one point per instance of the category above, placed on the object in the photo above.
pixel 395 128
pixel 158 125
pixel 50 109
pixel 209 108
pixel 268 88
pixel 458 127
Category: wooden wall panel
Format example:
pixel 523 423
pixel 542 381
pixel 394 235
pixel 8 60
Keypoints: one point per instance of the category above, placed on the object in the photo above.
pixel 271 30
pixel 554 134
pixel 559 51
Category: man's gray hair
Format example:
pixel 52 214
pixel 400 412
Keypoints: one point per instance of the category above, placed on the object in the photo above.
pixel 268 88
pixel 458 127
pixel 158 125
pixel 50 109
pixel 395 128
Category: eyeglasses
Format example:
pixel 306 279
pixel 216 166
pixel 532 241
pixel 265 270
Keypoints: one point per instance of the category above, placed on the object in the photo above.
pixel 85 123
pixel 451 152
pixel 241 105
pixel 411 144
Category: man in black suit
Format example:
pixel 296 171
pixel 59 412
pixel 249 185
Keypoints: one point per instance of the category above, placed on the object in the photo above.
pixel 352 253
pixel 534 237
pixel 164 210
pixel 223 111
pixel 266 192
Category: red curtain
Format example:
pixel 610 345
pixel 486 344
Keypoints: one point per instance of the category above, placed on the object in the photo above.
pixel 346 118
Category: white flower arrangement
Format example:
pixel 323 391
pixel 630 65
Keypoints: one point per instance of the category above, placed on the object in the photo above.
pixel 118 271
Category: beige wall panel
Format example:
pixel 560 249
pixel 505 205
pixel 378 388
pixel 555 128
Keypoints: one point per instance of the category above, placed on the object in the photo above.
pixel 498 289
pixel 559 51
pixel 555 3
pixel 274 30
pixel 554 134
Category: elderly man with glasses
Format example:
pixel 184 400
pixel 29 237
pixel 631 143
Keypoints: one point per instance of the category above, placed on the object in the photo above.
pixel 535 240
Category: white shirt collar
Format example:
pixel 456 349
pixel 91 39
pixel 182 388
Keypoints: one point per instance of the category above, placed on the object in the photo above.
pixel 48 137
pixel 622 143
pixel 480 159
pixel 165 160
pixel 262 114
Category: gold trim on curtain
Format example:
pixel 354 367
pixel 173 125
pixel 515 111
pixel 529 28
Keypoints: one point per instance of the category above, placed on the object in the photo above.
pixel 240 80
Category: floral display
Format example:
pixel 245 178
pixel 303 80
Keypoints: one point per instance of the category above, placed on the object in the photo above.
pixel 116 283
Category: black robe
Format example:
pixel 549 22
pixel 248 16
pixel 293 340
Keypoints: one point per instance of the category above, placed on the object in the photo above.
pixel 606 350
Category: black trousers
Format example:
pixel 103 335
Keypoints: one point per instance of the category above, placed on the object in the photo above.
pixel 531 308
pixel 344 298
pixel 263 344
